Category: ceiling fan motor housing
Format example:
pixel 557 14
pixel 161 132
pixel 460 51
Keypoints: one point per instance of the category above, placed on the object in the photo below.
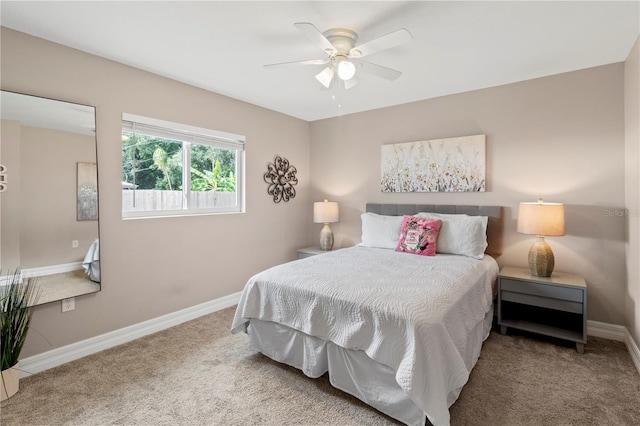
pixel 342 39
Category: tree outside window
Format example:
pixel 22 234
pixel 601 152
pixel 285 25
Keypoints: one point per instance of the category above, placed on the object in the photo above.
pixel 154 178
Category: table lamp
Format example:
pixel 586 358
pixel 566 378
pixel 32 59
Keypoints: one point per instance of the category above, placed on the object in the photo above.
pixel 326 212
pixel 541 219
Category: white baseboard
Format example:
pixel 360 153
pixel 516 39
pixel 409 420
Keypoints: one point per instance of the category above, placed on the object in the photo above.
pixel 618 333
pixel 606 330
pixel 40 272
pixel 44 361
pixel 53 269
pixel 633 349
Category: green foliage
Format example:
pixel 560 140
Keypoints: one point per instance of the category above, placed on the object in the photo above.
pixel 162 162
pixel 146 167
pixel 16 299
pixel 155 163
pixel 212 180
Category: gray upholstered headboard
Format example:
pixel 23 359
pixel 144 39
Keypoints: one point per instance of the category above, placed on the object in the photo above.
pixel 495 224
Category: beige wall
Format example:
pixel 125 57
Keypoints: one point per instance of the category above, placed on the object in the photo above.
pixel 560 138
pixel 157 266
pixel 632 188
pixel 10 198
pixel 48 195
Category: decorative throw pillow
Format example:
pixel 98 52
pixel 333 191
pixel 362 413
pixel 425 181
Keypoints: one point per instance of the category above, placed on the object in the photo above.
pixel 380 231
pixel 418 235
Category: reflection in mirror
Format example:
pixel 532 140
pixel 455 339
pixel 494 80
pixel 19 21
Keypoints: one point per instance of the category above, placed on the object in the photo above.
pixel 49 195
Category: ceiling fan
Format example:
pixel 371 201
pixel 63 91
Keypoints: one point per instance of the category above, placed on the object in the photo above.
pixel 344 56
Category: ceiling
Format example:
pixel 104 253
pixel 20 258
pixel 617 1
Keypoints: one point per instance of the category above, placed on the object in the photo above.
pixel 222 46
pixel 33 111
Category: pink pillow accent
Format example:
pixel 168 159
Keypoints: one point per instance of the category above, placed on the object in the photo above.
pixel 418 235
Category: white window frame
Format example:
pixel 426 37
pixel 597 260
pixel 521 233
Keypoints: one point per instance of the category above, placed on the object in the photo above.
pixel 187 135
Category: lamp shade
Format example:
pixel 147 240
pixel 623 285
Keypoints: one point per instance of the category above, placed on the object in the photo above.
pixel 326 212
pixel 539 218
pixel 325 77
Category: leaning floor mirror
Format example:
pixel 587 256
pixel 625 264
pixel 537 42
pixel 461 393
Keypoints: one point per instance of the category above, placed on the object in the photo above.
pixel 49 195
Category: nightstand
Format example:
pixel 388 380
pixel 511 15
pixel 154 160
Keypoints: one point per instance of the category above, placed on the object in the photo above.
pixel 310 251
pixel 554 306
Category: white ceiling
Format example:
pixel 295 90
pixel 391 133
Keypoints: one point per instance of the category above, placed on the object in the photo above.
pixel 33 111
pixel 222 46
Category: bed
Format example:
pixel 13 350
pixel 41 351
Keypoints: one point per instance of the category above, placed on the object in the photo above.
pixel 399 331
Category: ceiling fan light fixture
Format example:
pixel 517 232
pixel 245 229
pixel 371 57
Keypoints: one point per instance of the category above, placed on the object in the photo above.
pixel 325 77
pixel 346 69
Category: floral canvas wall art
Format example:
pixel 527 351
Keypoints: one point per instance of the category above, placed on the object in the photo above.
pixel 438 165
pixel 87 191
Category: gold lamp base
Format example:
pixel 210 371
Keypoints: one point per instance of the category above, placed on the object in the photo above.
pixel 541 260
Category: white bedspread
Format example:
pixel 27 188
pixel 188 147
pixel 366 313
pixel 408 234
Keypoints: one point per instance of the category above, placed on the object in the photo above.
pixel 409 312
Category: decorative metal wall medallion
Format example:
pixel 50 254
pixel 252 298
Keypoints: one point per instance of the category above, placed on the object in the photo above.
pixel 281 177
pixel 3 178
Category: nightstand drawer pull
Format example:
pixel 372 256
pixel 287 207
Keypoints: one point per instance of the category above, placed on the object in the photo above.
pixel 543 302
pixel 543 290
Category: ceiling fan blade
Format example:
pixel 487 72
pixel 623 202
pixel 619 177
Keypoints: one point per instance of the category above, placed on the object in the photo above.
pixel 325 77
pixel 316 37
pixel 306 62
pixel 388 41
pixel 379 70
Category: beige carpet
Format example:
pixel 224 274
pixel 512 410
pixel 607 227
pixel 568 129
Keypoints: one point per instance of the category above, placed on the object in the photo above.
pixel 199 374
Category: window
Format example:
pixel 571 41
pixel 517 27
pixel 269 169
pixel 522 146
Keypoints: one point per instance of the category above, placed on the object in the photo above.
pixel 175 169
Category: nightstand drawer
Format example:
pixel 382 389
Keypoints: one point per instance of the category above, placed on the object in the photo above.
pixel 543 302
pixel 542 290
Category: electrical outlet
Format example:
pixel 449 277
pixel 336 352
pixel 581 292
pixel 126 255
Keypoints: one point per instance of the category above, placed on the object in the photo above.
pixel 74 244
pixel 68 304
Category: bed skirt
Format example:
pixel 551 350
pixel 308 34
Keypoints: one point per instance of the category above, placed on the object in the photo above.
pixel 351 371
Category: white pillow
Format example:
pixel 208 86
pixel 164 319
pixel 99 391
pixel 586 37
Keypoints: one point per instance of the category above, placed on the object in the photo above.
pixel 380 231
pixel 461 234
